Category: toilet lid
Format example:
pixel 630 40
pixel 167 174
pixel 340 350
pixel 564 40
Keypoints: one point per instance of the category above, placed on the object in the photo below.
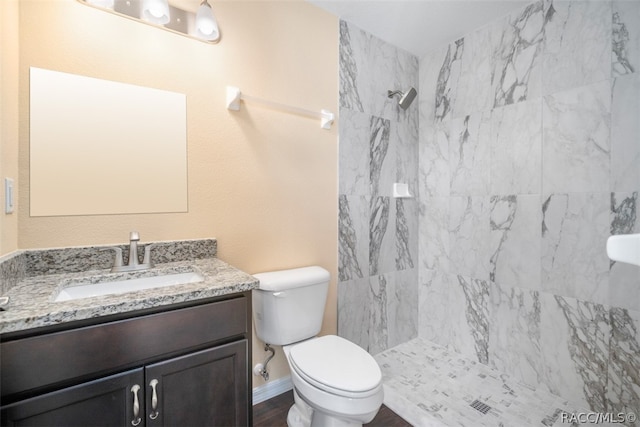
pixel 336 363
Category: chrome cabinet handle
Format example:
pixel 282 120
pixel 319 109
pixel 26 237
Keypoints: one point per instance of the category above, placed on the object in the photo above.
pixel 136 405
pixel 154 400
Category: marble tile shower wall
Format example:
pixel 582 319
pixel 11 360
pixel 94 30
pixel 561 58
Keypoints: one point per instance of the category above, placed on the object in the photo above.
pixel 378 241
pixel 529 159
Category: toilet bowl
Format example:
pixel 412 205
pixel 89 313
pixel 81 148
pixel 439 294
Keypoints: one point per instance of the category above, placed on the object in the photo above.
pixel 336 383
pixel 339 381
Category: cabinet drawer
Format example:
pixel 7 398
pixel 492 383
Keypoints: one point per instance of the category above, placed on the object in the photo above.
pixel 41 361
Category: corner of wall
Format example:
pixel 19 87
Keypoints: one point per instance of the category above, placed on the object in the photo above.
pixel 9 44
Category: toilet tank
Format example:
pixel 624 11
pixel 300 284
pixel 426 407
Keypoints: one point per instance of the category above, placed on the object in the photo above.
pixel 289 304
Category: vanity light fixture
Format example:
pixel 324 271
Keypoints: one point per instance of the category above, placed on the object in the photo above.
pixel 156 11
pixel 189 20
pixel 206 24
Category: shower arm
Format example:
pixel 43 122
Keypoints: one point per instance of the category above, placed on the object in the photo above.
pixel 392 93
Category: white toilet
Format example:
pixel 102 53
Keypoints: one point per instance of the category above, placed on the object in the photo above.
pixel 336 383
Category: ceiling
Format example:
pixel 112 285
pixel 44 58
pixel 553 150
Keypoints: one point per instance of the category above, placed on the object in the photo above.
pixel 419 26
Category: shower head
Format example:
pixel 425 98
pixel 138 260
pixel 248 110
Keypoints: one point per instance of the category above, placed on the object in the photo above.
pixel 406 98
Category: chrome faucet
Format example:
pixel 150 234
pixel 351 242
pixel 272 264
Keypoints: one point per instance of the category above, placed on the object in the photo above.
pixel 134 264
pixel 134 238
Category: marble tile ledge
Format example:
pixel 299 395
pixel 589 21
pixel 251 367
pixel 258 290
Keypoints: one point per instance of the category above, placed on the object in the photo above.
pixel 31 297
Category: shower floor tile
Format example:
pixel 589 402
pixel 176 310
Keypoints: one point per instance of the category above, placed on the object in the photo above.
pixel 428 385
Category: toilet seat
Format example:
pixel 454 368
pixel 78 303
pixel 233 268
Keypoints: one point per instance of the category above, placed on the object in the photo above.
pixel 336 366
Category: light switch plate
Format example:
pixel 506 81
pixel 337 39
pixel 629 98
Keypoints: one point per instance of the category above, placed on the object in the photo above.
pixel 8 195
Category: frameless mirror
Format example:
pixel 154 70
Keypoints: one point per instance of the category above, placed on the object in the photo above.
pixel 102 147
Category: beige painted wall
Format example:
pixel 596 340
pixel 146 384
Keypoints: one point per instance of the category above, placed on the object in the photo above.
pixel 8 118
pixel 263 182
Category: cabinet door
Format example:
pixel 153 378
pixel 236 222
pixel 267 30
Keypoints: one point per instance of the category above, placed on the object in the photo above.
pixel 205 388
pixel 108 401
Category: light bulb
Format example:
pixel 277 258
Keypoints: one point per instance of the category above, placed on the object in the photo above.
pixel 156 11
pixel 206 25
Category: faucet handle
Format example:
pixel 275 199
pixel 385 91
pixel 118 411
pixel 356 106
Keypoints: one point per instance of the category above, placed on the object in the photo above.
pixel 134 236
pixel 147 255
pixel 117 262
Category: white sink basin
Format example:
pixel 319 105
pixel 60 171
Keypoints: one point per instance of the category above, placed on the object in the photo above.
pixel 86 290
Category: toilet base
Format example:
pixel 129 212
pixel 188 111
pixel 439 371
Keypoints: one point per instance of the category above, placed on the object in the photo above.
pixel 325 420
pixel 302 415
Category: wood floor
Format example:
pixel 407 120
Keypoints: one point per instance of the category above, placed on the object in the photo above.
pixel 273 413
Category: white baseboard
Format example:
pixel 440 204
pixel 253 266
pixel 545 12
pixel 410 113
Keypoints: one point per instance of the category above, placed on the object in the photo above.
pixel 272 389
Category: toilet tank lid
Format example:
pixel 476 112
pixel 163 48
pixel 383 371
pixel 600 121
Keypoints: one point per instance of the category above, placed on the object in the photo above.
pixel 293 278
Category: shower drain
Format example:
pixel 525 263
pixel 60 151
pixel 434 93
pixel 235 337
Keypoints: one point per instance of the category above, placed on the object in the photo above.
pixel 480 407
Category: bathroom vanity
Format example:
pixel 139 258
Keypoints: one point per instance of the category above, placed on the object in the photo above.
pixel 177 355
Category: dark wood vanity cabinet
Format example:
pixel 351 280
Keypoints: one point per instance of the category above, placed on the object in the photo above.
pixel 185 367
pixel 102 402
pixel 200 389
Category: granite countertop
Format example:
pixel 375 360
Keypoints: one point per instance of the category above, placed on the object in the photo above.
pixel 31 301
